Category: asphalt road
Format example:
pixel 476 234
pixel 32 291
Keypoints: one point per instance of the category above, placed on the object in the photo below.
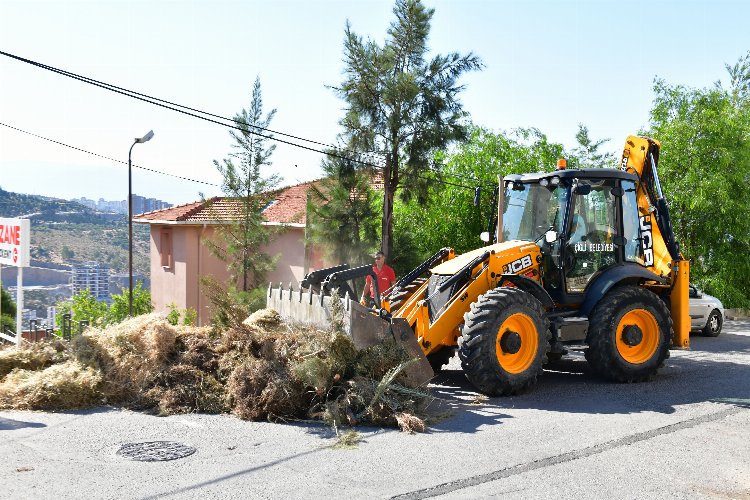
pixel 686 434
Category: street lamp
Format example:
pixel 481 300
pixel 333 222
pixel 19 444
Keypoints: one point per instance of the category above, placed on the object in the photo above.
pixel 138 140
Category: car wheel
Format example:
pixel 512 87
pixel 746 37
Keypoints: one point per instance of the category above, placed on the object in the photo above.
pixel 714 324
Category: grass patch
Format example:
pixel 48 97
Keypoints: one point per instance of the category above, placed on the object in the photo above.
pixel 348 440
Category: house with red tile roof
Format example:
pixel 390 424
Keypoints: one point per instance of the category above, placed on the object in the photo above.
pixel 179 256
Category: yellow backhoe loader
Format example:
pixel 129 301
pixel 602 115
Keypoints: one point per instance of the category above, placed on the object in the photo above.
pixel 577 260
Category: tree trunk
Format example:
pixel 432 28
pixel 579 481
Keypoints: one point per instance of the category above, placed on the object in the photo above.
pixel 387 221
pixel 390 182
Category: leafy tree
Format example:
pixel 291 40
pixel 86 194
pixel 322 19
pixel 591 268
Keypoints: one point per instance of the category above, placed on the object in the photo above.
pixel 587 153
pixel 243 183
pixel 451 219
pixel 7 310
pixel 704 169
pixel 401 106
pixel 118 310
pixel 342 213
pixel 83 306
pixel 739 79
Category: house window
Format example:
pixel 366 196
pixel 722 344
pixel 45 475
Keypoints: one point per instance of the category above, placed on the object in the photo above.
pixel 166 248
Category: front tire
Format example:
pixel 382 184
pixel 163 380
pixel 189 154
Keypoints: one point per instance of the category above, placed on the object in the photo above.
pixel 504 342
pixel 629 335
pixel 713 325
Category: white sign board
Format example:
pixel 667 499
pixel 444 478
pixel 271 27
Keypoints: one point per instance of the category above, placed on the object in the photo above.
pixel 15 235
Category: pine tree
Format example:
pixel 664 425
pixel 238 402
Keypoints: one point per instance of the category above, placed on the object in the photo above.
pixel 401 105
pixel 587 154
pixel 342 217
pixel 250 192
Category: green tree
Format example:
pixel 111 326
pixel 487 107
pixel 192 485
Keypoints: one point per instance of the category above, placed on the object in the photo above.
pixel 7 310
pixel 451 219
pixel 82 307
pixel 118 310
pixel 243 183
pixel 401 106
pixel 342 214
pixel 587 153
pixel 704 169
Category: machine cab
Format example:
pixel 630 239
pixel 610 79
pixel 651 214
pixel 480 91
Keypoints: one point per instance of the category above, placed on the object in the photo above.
pixel 585 222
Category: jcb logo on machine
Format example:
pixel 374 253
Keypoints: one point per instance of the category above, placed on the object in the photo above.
pixel 518 265
pixel 647 240
pixel 624 162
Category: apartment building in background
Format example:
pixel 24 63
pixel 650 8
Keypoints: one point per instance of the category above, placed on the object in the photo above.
pixel 93 276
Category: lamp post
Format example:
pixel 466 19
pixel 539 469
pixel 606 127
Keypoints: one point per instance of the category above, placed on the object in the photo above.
pixel 138 140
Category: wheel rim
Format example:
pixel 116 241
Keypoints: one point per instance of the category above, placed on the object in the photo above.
pixel 714 323
pixel 646 346
pixel 525 329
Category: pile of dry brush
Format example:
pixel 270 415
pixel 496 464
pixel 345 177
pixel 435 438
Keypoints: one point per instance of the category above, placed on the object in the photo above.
pixel 258 369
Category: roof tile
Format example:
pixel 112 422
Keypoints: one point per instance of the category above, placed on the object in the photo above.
pixel 289 207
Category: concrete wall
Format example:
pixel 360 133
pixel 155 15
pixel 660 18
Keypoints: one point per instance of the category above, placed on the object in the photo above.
pixel 737 314
pixel 35 276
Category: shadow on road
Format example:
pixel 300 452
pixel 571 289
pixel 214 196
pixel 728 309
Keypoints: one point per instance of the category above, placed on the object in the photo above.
pixel 8 424
pixel 569 385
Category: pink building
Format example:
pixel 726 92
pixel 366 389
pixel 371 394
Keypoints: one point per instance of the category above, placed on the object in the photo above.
pixel 179 257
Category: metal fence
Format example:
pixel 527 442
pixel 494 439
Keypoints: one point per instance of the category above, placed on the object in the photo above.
pixel 37 333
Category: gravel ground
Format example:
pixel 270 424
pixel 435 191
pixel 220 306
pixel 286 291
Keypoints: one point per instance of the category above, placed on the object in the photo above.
pixel 686 434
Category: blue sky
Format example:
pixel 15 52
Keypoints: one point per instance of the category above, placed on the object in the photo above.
pixel 549 64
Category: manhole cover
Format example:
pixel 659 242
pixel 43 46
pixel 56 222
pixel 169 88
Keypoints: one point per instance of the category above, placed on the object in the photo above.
pixel 155 451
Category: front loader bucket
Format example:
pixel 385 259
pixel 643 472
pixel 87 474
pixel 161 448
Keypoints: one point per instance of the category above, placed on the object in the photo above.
pixel 364 327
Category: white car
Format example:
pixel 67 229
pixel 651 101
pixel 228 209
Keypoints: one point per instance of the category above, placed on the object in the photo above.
pixel 706 313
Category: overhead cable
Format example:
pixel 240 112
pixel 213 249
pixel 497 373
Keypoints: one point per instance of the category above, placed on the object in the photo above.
pixel 196 113
pixel 214 118
pixel 106 157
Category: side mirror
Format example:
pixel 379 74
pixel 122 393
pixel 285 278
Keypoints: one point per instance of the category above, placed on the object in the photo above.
pixel 550 236
pixel 485 236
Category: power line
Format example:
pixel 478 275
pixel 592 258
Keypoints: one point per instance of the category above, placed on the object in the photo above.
pixel 195 113
pixel 106 157
pixel 211 118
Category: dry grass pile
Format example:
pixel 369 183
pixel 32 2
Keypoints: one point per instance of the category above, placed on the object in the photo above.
pixel 258 369
pixel 131 356
pixel 35 357
pixel 65 386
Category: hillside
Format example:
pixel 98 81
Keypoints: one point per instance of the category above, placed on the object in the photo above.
pixel 64 232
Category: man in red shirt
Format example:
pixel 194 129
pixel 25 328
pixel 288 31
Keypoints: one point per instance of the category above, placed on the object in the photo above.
pixel 386 278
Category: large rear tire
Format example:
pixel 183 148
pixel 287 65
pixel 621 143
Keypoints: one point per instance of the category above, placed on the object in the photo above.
pixel 504 342
pixel 629 335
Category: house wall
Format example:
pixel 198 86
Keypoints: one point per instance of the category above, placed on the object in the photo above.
pixel 289 246
pixel 191 260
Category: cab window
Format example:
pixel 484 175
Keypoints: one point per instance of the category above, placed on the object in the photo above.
pixel 631 227
pixel 593 227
